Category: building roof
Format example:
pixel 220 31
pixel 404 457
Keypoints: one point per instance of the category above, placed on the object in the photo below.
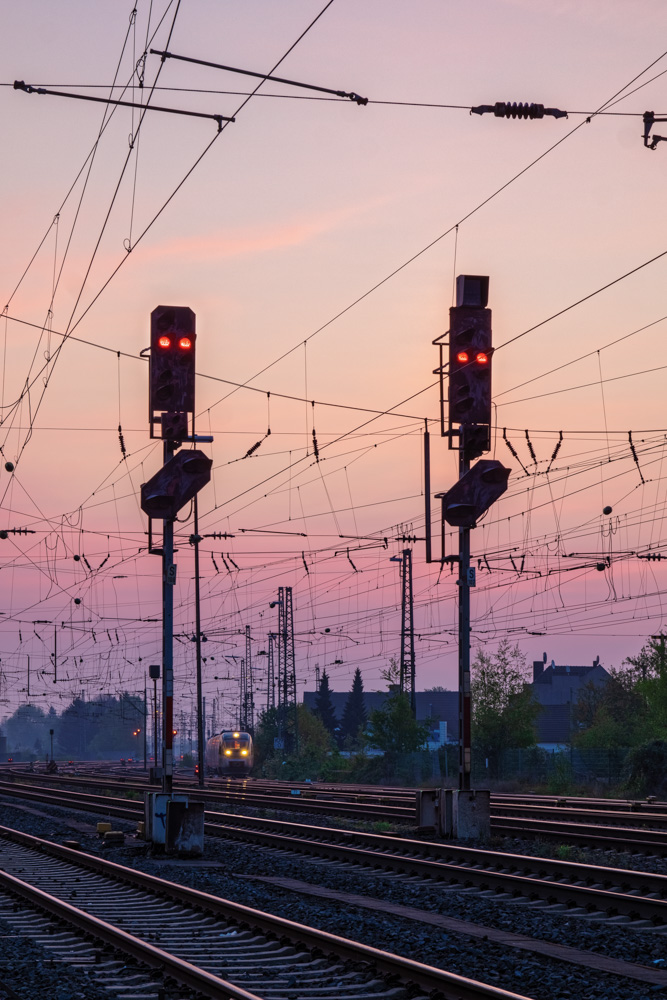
pixel 435 705
pixel 553 724
pixel 556 687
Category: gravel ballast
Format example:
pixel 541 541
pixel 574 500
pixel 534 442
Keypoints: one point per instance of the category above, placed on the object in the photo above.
pixel 532 976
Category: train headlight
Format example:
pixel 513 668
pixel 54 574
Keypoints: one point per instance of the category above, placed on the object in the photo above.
pixel 228 753
pixel 244 753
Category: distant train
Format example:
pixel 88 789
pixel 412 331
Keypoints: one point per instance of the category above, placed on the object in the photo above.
pixel 230 753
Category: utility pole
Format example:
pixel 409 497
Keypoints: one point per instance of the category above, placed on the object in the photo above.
pixel 407 674
pixel 289 659
pixel 464 581
pixel 145 723
pixel 168 583
pixel 270 674
pixel 242 695
pixel 195 539
pixel 286 665
pixel 249 693
pixel 154 674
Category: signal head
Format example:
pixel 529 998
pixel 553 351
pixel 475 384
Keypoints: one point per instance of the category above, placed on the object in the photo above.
pixel 172 370
pixel 470 357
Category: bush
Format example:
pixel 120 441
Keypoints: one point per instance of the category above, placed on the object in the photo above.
pixel 560 777
pixel 645 770
pixel 366 770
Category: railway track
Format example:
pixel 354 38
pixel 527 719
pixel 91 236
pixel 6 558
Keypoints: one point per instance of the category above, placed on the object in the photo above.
pixel 387 794
pixel 630 830
pixel 590 891
pixel 218 948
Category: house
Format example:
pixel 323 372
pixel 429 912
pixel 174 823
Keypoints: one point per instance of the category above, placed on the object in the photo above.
pixel 432 706
pixel 556 688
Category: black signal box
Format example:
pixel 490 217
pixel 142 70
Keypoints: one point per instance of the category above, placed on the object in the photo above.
pixel 171 390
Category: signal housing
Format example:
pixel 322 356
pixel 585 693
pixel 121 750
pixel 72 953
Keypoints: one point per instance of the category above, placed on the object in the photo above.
pixel 171 391
pixel 470 354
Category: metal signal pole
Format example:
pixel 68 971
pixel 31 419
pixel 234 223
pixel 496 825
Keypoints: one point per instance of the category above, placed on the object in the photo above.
pixel 168 582
pixel 145 725
pixel 200 714
pixel 464 636
pixel 249 692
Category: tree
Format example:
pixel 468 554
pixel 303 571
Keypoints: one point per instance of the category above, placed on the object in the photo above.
pixel 315 744
pixel 394 728
pixel 613 715
pixel 323 705
pixel 392 674
pixel 631 708
pixel 100 726
pixel 503 707
pixel 76 728
pixel 354 714
pixel 314 737
pixel 652 664
pixel 266 732
pixel 645 769
pixel 25 727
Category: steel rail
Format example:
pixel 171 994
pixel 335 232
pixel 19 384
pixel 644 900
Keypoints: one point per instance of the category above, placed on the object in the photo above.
pixel 457 864
pixel 562 824
pixel 611 902
pixel 450 985
pixel 184 972
pixel 397 851
pixel 614 838
pixel 301 803
pixel 356 804
pixel 609 817
pixel 384 793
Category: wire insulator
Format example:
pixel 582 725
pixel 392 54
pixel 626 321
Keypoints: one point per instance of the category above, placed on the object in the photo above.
pixel 505 109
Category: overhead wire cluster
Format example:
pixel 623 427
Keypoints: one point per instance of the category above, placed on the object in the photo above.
pixel 529 580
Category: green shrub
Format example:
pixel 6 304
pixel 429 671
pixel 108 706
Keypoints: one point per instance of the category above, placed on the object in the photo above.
pixel 645 769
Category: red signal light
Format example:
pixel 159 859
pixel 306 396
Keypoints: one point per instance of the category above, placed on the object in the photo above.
pixel 482 358
pixel 462 357
pixel 185 344
pixel 164 342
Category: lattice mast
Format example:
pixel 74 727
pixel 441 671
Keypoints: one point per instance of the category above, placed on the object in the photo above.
pixel 407 631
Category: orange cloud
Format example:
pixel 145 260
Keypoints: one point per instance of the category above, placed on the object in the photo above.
pixel 257 239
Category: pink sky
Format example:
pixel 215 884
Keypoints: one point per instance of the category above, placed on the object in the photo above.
pixel 298 209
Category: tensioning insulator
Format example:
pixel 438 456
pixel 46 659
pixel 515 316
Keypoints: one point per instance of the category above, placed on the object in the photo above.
pixel 505 109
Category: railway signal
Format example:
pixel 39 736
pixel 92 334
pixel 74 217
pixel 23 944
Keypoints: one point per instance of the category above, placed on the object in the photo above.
pixel 172 371
pixel 176 483
pixel 470 354
pixel 171 412
pixel 474 493
pixel 468 429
